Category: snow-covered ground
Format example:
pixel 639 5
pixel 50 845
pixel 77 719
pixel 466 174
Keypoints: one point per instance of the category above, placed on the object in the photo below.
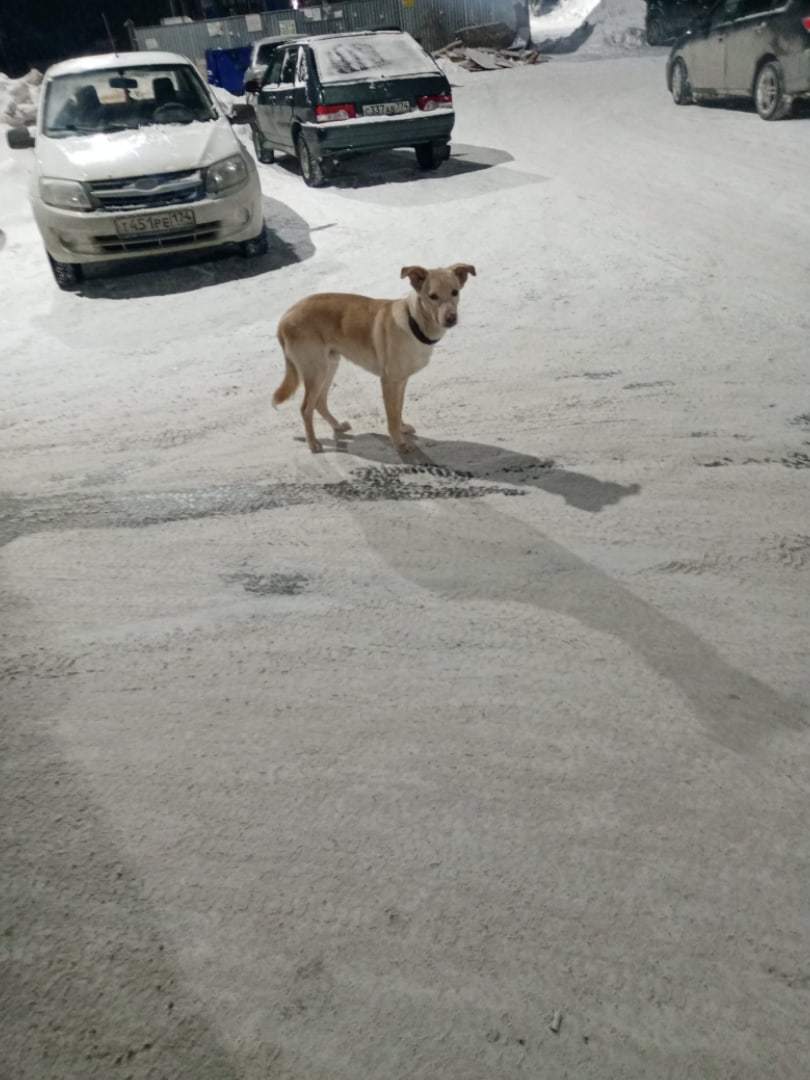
pixel 337 768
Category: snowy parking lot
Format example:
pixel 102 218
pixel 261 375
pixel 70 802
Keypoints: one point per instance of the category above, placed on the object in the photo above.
pixel 341 767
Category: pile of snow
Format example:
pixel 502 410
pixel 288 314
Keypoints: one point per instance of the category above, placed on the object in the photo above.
pixel 593 27
pixel 563 20
pixel 617 25
pixel 19 99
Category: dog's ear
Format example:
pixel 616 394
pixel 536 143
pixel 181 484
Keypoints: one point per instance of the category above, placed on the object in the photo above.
pixel 462 272
pixel 417 275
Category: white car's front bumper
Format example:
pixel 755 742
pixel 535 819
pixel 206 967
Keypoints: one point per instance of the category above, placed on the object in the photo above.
pixel 73 236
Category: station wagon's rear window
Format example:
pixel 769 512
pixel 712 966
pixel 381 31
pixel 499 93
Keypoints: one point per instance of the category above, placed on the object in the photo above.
pixel 367 57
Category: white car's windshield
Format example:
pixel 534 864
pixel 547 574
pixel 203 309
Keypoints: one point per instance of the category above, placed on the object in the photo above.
pixel 128 97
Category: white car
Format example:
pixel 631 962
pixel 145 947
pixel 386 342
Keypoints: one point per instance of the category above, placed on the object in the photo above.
pixel 132 157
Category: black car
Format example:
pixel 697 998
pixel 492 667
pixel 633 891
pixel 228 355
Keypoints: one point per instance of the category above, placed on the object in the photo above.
pixel 335 95
pixel 667 20
pixel 756 49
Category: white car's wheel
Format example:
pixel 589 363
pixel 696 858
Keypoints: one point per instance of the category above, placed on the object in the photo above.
pixel 68 276
pixel 253 249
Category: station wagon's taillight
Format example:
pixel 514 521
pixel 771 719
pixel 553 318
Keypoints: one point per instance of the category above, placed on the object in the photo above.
pixel 434 101
pixel 326 113
pixel 806 23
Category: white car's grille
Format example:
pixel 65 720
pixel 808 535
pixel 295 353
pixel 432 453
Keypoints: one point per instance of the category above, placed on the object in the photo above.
pixel 149 192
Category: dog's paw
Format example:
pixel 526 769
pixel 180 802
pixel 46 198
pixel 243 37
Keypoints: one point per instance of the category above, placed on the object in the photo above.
pixel 316 447
pixel 341 429
pixel 404 447
pixel 408 429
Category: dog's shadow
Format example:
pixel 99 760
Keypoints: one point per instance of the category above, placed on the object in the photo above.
pixel 496 464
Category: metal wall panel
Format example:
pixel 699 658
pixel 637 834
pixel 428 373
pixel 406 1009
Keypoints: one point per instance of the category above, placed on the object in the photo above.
pixel 430 23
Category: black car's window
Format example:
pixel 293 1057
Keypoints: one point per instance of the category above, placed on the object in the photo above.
pixel 370 57
pixel 273 77
pixel 726 12
pixel 288 68
pixel 745 8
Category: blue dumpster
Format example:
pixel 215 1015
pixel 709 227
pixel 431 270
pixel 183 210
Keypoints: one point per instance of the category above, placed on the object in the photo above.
pixel 227 67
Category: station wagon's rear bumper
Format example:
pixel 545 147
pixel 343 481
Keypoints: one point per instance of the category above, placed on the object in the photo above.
pixel 381 132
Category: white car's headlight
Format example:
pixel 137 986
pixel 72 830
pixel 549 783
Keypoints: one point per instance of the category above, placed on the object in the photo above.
pixel 66 194
pixel 229 173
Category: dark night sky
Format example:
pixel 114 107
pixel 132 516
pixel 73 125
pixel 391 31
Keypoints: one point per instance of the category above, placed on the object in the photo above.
pixel 39 31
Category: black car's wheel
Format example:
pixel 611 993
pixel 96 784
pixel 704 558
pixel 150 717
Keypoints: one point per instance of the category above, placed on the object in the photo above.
pixel 264 152
pixel 769 92
pixel 679 84
pixel 68 276
pixel 253 249
pixel 311 166
pixel 428 156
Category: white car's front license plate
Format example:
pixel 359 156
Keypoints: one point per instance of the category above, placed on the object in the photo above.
pixel 144 224
pixel 387 108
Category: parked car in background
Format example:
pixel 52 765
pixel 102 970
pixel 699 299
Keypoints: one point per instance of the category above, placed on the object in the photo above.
pixel 756 49
pixel 667 20
pixel 260 57
pixel 328 97
pixel 132 157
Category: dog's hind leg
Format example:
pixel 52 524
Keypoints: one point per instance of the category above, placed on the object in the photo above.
pixel 322 406
pixel 318 372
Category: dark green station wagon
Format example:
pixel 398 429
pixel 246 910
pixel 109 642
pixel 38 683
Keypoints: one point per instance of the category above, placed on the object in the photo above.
pixel 336 95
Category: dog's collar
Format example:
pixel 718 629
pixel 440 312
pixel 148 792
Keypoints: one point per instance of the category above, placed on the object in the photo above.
pixel 419 333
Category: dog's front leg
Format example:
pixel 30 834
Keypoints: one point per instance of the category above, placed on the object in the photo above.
pixel 406 429
pixel 393 395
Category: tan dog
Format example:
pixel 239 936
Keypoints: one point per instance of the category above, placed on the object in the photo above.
pixel 390 338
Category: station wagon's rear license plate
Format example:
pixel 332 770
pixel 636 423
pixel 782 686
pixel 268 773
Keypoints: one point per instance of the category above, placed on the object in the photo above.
pixel 144 224
pixel 387 108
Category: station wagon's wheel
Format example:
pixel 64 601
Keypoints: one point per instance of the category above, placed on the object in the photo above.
pixel 68 276
pixel 311 168
pixel 264 152
pixel 769 92
pixel 426 157
pixel 679 84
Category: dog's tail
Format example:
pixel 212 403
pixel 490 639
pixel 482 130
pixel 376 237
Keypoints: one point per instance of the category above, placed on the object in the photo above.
pixel 289 383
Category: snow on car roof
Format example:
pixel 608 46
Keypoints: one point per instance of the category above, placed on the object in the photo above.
pixel 278 39
pixel 353 57
pixel 113 61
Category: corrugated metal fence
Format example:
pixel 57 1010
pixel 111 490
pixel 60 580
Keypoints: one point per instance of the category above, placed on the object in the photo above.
pixel 430 23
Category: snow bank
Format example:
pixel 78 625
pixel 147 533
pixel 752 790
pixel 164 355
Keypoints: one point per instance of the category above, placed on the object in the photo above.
pixel 565 19
pixel 19 99
pixel 615 26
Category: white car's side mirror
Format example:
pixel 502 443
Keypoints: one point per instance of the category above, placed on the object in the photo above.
pixel 20 138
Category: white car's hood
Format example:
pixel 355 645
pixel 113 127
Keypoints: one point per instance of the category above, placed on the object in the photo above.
pixel 141 152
